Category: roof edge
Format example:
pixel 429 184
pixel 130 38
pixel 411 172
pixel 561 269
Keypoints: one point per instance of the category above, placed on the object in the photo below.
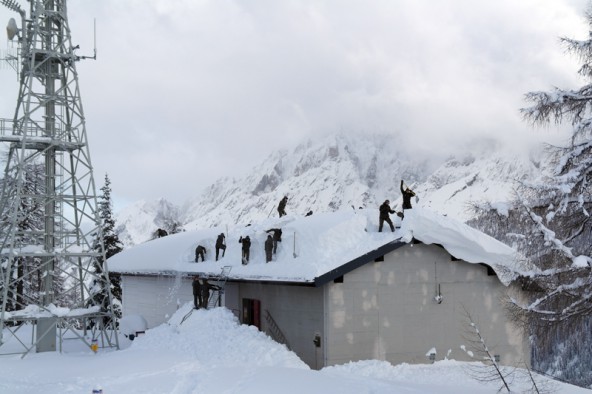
pixel 358 262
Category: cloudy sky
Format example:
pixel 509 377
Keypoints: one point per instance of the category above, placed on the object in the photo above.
pixel 186 91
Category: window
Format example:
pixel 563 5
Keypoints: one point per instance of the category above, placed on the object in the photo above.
pixel 252 312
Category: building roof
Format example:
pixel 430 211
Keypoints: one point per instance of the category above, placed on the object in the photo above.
pixel 315 249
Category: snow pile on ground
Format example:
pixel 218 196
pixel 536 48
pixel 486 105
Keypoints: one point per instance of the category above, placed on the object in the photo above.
pixel 215 337
pixel 211 353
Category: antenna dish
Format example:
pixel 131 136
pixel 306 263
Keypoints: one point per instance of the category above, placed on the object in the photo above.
pixel 11 29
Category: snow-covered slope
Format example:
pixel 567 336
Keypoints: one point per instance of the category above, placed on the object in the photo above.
pixel 337 171
pixel 212 353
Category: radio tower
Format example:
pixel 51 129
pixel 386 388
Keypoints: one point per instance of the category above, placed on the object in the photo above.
pixel 52 259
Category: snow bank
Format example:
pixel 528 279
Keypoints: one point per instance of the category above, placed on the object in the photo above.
pixel 211 353
pixel 215 337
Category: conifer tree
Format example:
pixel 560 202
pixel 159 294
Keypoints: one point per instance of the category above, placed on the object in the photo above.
pixel 551 226
pixel 559 208
pixel 29 221
pixel 106 240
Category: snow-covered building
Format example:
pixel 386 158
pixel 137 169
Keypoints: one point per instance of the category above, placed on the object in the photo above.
pixel 338 290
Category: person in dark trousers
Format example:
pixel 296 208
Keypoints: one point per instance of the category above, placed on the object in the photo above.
pixel 282 206
pixel 205 294
pixel 268 248
pixel 220 244
pixel 385 210
pixel 407 194
pixel 197 292
pixel 277 237
pixel 246 241
pixel 200 251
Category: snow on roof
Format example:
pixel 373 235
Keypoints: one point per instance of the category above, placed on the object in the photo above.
pixel 311 246
pixel 462 242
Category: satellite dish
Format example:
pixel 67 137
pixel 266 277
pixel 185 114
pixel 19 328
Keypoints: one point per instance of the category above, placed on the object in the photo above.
pixel 11 29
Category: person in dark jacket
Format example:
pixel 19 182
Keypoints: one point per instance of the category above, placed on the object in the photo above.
pixel 246 241
pixel 268 248
pixel 205 294
pixel 200 251
pixel 220 244
pixel 385 210
pixel 277 237
pixel 197 292
pixel 282 206
pixel 407 194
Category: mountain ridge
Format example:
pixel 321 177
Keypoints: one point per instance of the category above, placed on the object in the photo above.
pixel 336 172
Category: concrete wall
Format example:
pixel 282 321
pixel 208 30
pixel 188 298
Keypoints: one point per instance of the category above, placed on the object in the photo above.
pixel 297 310
pixel 156 298
pixel 386 310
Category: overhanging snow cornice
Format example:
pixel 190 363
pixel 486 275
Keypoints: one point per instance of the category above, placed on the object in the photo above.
pixel 357 262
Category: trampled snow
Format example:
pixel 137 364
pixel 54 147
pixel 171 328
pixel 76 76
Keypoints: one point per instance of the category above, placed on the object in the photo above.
pixel 314 245
pixel 212 353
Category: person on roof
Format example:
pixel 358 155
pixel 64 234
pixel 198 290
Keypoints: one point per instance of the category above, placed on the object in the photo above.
pixel 197 292
pixel 246 241
pixel 277 237
pixel 200 251
pixel 220 244
pixel 282 206
pixel 385 210
pixel 407 194
pixel 268 248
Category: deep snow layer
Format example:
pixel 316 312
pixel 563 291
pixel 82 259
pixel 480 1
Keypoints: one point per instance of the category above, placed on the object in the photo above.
pixel 212 353
pixel 314 245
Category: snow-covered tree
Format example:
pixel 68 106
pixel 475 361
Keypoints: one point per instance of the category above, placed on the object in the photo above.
pixel 550 224
pixel 27 271
pixel 108 241
pixel 559 209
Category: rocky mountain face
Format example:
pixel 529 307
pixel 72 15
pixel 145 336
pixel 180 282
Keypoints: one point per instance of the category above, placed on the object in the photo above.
pixel 337 172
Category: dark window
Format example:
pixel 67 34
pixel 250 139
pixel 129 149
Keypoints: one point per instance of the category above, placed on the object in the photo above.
pixel 252 312
pixel 338 280
pixel 490 271
pixel 380 258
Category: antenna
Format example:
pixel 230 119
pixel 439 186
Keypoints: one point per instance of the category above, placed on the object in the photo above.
pixel 94 56
pixel 11 29
pixel 12 5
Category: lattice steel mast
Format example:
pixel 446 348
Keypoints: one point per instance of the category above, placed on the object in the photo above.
pixel 48 263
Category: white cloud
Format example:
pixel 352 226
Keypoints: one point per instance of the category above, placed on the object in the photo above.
pixel 186 91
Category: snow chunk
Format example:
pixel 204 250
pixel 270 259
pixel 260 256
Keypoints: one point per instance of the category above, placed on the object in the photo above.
pixel 461 241
pixel 581 262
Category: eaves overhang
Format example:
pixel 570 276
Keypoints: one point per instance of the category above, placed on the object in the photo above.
pixel 358 262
